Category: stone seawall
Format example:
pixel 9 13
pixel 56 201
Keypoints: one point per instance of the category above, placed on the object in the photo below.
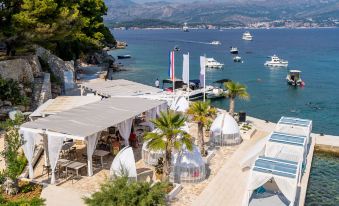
pixel 46 91
pixel 17 69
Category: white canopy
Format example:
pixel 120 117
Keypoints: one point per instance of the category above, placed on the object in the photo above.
pixel 124 164
pixel 284 173
pixel 119 88
pixel 287 147
pixel 294 126
pixel 180 104
pixel 89 119
pixel 225 130
pixel 63 103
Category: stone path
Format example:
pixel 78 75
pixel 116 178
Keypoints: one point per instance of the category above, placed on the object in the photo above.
pixel 57 196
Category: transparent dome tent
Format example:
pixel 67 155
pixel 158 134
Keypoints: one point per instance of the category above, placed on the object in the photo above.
pixel 225 131
pixel 188 166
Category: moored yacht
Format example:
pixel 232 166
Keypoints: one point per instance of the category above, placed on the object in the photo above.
pixel 276 62
pixel 215 43
pixel 247 36
pixel 212 63
pixel 294 78
pixel 237 59
pixel 234 50
pixel 185 27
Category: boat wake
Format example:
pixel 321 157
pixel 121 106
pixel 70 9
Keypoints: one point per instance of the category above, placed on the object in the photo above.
pixel 186 41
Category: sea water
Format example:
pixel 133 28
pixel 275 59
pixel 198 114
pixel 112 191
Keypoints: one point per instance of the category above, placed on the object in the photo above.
pixel 313 51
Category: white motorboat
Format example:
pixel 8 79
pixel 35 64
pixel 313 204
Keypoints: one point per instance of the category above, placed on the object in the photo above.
pixel 215 93
pixel 294 78
pixel 234 50
pixel 247 36
pixel 185 27
pixel 215 43
pixel 276 62
pixel 237 59
pixel 212 63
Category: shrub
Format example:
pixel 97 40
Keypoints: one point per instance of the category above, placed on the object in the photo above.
pixel 121 192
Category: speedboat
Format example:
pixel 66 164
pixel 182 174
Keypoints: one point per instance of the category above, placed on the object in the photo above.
pixel 234 50
pixel 217 90
pixel 247 36
pixel 294 78
pixel 215 43
pixel 185 27
pixel 127 56
pixel 237 59
pixel 276 62
pixel 212 63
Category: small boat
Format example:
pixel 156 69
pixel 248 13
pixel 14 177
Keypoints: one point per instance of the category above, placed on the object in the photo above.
pixel 247 36
pixel 127 56
pixel 234 50
pixel 294 78
pixel 185 27
pixel 217 91
pixel 215 43
pixel 237 59
pixel 276 62
pixel 212 63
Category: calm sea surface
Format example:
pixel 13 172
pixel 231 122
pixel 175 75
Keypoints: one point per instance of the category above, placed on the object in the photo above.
pixel 315 52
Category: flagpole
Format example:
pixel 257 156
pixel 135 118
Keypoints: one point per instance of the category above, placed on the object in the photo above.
pixel 173 66
pixel 205 81
pixel 188 83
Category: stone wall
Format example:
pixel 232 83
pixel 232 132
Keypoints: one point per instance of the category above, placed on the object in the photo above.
pixel 58 66
pixel 35 64
pixel 17 69
pixel 46 91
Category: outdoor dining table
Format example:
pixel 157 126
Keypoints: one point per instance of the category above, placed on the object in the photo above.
pixel 101 154
pixel 75 166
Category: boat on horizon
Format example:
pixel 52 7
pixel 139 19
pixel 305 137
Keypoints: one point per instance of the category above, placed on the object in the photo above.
pixel 294 78
pixel 276 62
pixel 185 27
pixel 247 36
pixel 237 59
pixel 212 63
pixel 234 50
pixel 126 56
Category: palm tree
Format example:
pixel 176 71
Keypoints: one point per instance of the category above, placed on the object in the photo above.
pixel 166 139
pixel 201 113
pixel 234 90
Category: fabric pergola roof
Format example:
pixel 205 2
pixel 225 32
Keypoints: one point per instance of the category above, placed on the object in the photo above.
pixel 287 147
pixel 89 119
pixel 119 88
pixel 276 166
pixel 63 103
pixel 295 126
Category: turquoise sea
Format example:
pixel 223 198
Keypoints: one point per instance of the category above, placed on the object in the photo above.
pixel 313 51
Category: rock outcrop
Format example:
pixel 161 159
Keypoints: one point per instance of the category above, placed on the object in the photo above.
pixel 17 69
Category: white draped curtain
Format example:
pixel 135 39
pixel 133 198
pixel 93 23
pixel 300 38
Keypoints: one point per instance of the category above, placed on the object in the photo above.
pixel 125 129
pixel 151 115
pixel 91 141
pixel 55 142
pixel 284 151
pixel 124 164
pixel 161 108
pixel 29 139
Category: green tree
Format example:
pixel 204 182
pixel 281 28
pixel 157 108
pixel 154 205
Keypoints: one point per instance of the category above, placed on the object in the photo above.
pixel 121 192
pixel 166 139
pixel 234 90
pixel 201 113
pixel 14 161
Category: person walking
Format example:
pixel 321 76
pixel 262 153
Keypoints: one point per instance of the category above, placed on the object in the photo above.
pixel 157 83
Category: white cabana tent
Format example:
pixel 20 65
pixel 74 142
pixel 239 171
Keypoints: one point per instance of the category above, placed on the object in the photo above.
pixel 83 123
pixel 124 164
pixel 294 126
pixel 287 147
pixel 284 173
pixel 225 130
pixel 179 104
pixel 118 88
pixel 188 166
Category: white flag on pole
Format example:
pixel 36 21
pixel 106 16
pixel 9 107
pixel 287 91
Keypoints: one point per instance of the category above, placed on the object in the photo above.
pixel 186 69
pixel 202 71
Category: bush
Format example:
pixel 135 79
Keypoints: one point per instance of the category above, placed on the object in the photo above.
pixel 10 91
pixel 121 192
pixel 22 202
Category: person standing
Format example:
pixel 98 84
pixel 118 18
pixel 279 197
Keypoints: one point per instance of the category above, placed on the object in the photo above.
pixel 157 83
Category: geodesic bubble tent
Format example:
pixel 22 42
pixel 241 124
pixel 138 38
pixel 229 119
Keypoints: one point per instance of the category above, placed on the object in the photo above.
pixel 150 157
pixel 188 166
pixel 225 131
